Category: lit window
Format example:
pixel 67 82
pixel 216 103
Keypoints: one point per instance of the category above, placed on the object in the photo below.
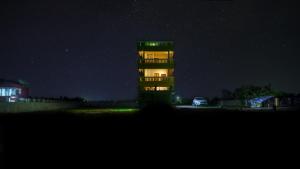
pixel 10 91
pixel 141 53
pixel 149 88
pixel 162 88
pixel 156 55
pixel 19 92
pixel 171 54
pixel 155 72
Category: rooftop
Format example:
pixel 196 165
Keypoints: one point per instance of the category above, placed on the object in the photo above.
pixel 155 45
pixel 20 82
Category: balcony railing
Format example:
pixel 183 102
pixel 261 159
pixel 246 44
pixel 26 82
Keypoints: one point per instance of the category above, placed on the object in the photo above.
pixel 156 61
pixel 156 81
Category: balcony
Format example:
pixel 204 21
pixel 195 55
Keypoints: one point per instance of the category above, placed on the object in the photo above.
pixel 155 63
pixel 156 81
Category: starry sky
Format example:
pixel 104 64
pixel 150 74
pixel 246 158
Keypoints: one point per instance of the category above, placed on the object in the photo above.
pixel 87 48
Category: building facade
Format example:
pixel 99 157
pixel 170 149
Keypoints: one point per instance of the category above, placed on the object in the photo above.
pixel 11 91
pixel 156 71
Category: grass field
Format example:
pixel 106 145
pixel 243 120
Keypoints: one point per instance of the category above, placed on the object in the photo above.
pixel 103 110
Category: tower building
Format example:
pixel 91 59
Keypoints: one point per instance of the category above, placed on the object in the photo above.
pixel 156 71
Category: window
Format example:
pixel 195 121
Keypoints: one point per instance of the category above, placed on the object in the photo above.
pixel 6 92
pixel 10 91
pixel 155 72
pixel 149 88
pixel 18 92
pixel 156 88
pixel 141 53
pixel 149 55
pixel 162 88
pixel 156 54
pixel 171 54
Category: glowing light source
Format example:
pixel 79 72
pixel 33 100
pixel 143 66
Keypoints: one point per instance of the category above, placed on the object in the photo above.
pixel 7 91
pixel 152 44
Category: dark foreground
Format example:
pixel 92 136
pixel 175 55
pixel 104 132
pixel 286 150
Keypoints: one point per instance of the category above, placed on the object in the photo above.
pixel 48 138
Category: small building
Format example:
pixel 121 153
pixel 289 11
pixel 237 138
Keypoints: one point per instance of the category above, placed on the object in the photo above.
pixel 11 91
pixel 156 71
pixel 264 101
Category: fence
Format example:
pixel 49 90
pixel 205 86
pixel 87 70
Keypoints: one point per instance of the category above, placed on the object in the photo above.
pixel 34 105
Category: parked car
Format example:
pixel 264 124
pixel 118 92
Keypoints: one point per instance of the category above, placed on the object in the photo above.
pixel 199 101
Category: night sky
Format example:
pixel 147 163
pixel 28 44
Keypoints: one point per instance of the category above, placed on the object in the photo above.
pixel 88 48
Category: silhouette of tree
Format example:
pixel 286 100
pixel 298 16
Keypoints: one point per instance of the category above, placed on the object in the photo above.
pixel 227 94
pixel 251 91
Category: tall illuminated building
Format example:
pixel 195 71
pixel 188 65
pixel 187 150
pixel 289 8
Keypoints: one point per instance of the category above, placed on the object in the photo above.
pixel 156 71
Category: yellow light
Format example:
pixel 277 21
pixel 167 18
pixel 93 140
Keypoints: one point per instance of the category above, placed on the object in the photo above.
pixel 141 53
pixel 156 72
pixel 156 55
pixel 162 88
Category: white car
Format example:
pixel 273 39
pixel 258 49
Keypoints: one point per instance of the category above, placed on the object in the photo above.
pixel 199 101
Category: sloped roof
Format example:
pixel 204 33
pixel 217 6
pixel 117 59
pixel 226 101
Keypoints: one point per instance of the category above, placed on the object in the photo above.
pixel 261 99
pixel 20 82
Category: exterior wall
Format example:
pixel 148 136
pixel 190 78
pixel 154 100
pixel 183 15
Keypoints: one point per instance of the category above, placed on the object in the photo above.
pixel 159 82
pixel 154 97
pixel 19 107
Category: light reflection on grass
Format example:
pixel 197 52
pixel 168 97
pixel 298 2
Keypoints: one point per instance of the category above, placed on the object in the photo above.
pixel 103 110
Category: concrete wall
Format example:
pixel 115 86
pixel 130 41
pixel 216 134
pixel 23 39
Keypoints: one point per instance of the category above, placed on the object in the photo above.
pixel 35 106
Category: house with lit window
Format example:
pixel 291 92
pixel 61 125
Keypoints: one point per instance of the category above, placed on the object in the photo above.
pixel 156 71
pixel 11 91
